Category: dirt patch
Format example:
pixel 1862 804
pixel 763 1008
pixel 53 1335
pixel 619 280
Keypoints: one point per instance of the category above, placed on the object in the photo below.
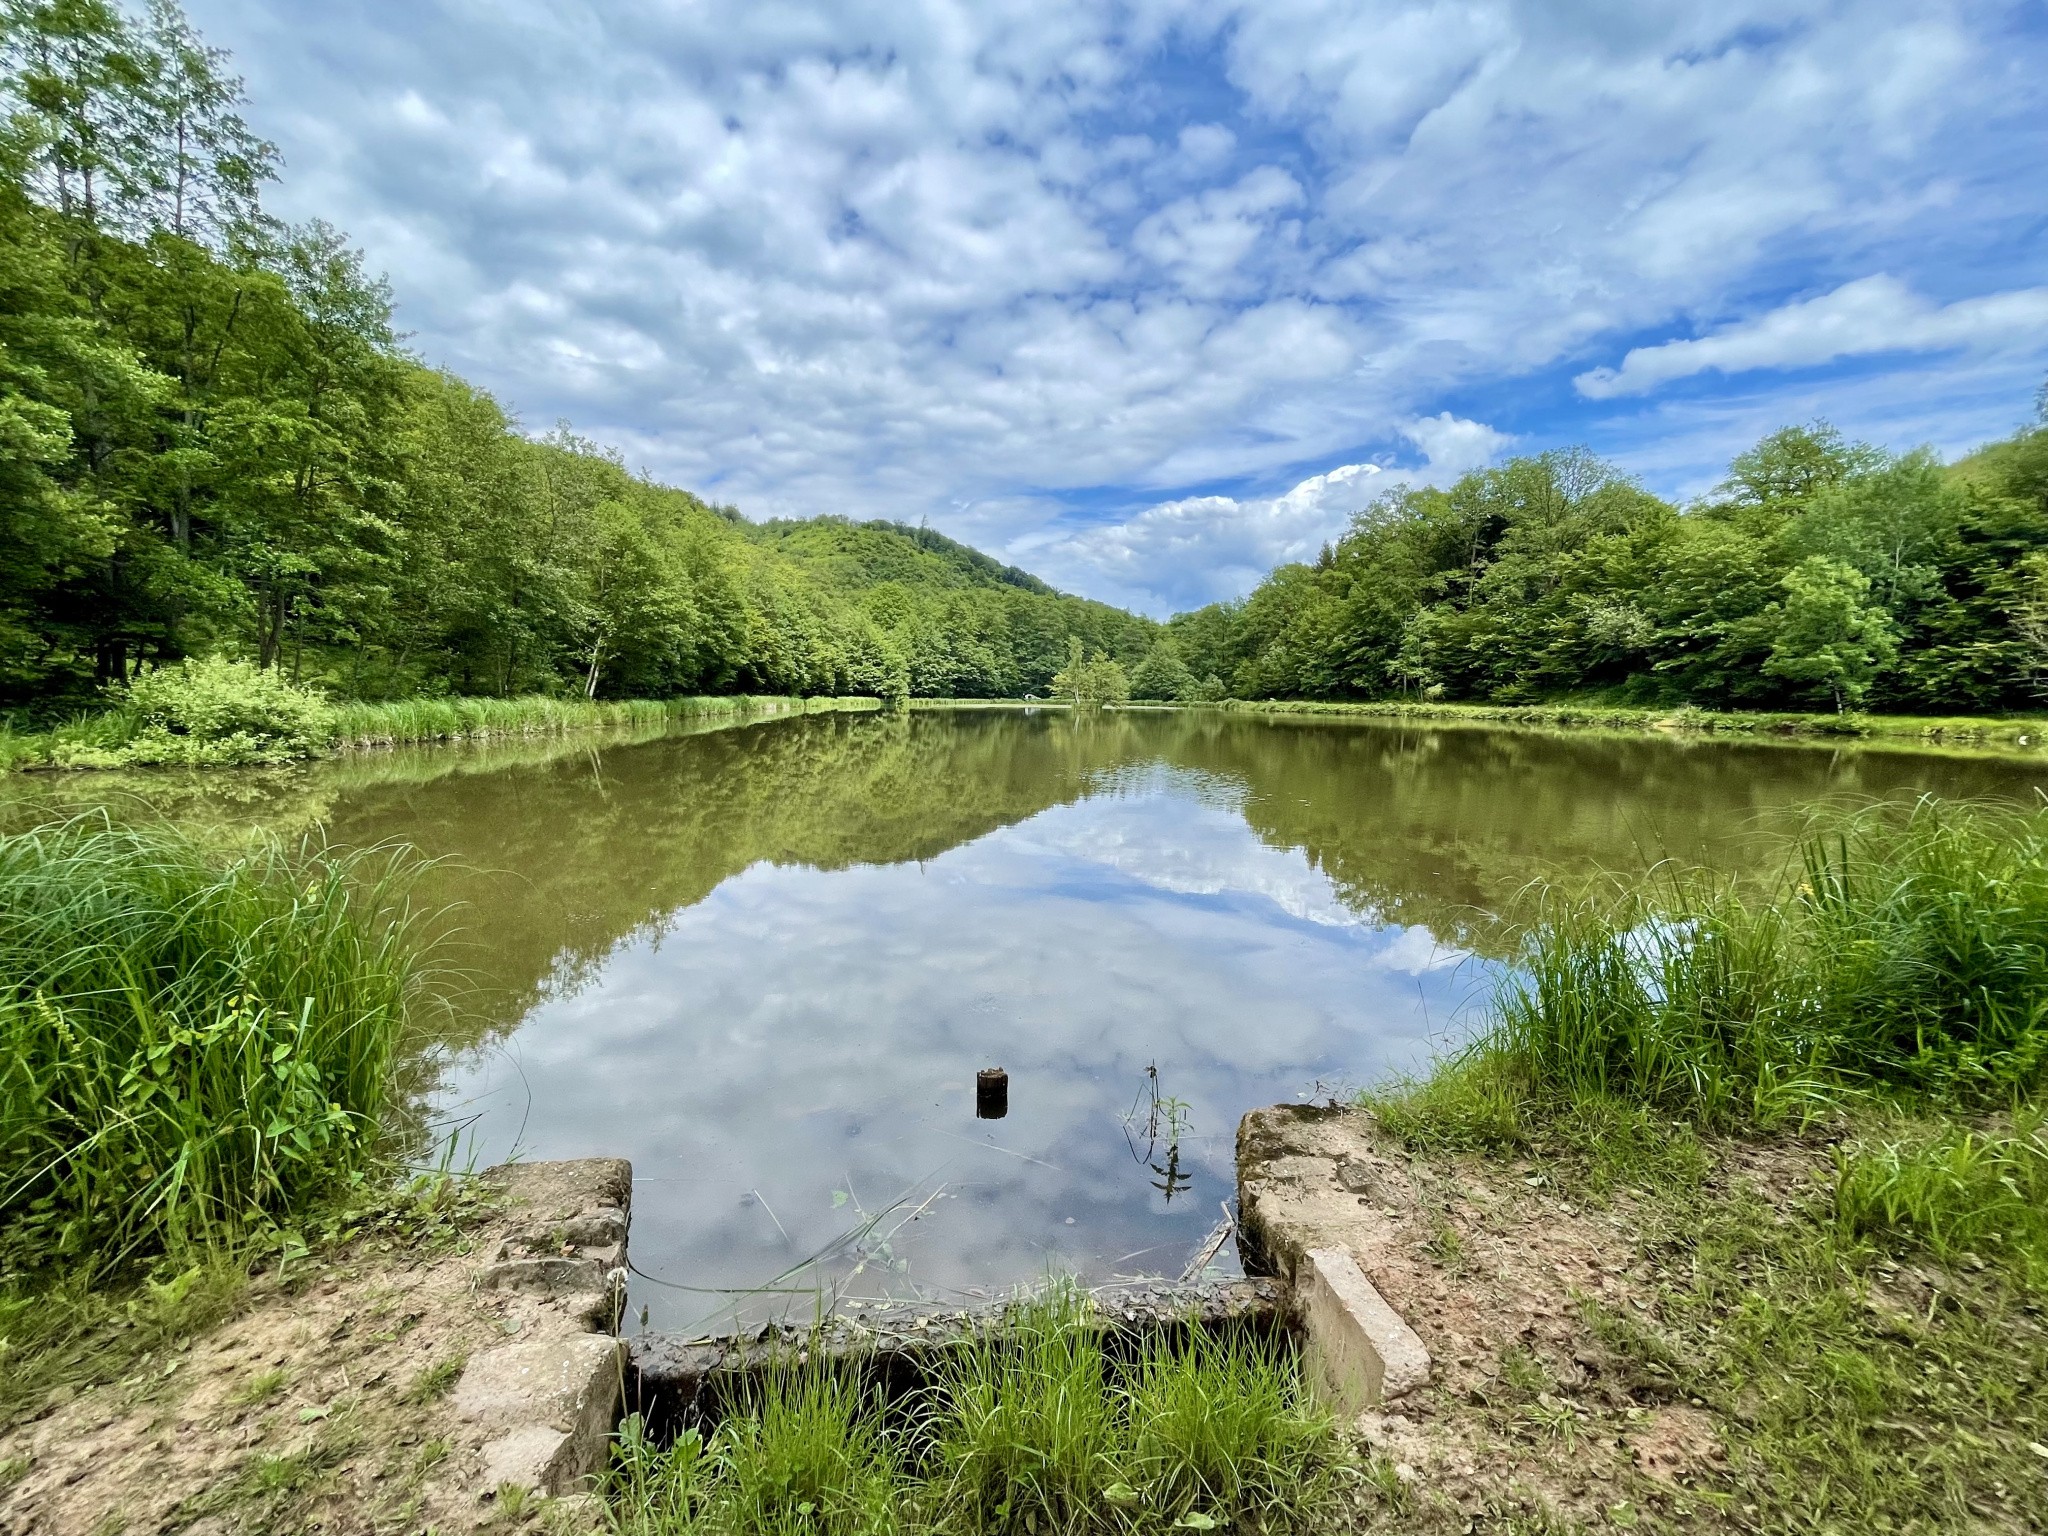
pixel 333 1401
pixel 1521 1296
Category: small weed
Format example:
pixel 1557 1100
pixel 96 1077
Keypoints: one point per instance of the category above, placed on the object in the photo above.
pixel 1446 1246
pixel 436 1381
pixel 514 1501
pixel 260 1388
pixel 1523 1374
pixel 13 1470
pixel 1555 1418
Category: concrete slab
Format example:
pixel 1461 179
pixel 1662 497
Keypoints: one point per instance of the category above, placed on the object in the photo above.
pixel 1360 1352
pixel 1321 1202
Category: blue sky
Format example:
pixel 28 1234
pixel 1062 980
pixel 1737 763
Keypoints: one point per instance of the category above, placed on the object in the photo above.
pixel 1150 296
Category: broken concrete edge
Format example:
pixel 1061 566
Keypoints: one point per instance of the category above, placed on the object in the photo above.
pixel 551 1397
pixel 1360 1352
pixel 671 1375
pixel 555 1394
pixel 1312 1196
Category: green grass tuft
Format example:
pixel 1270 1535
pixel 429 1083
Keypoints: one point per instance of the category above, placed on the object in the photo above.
pixel 1957 1191
pixel 191 1048
pixel 1035 1428
pixel 1904 953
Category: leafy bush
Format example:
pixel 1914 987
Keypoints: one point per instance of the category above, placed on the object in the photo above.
pixel 189 1046
pixel 217 711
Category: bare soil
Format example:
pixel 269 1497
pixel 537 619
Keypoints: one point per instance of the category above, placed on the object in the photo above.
pixel 1530 1419
pixel 322 1405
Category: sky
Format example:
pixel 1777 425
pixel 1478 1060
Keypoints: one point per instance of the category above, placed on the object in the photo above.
pixel 1150 296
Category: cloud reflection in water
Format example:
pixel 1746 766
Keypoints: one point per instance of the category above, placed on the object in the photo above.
pixel 801 1046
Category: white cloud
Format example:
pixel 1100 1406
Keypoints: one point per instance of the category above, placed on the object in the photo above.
pixel 1871 315
pixel 1198 549
pixel 1044 255
pixel 1180 554
pixel 1452 446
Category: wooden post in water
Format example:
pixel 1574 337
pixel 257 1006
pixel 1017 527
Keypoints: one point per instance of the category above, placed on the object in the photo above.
pixel 991 1094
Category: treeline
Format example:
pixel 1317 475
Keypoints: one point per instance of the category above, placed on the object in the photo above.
pixel 212 442
pixel 1821 574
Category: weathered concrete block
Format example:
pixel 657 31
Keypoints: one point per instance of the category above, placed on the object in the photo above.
pixel 1360 1353
pixel 545 1277
pixel 556 1399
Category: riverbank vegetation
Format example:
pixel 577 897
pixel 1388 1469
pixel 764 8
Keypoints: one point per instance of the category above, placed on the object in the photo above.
pixel 1043 1428
pixel 196 1062
pixel 215 712
pixel 1822 575
pixel 196 1047
pixel 219 445
pixel 1863 1338
pixel 2010 732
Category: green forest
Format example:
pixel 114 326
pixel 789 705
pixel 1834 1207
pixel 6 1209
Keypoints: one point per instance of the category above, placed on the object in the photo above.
pixel 1821 574
pixel 214 442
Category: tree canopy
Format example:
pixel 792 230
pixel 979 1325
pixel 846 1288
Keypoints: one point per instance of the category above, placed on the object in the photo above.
pixel 1821 574
pixel 212 442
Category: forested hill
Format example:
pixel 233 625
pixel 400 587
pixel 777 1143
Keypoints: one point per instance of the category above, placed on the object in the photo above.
pixel 855 555
pixel 212 441
pixel 1822 574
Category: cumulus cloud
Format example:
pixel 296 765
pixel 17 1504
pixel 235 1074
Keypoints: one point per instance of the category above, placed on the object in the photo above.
pixel 1871 315
pixel 1451 446
pixel 1049 255
pixel 1180 554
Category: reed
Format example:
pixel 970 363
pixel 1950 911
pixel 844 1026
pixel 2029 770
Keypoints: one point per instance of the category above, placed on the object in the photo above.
pixel 1903 952
pixel 190 1046
pixel 117 737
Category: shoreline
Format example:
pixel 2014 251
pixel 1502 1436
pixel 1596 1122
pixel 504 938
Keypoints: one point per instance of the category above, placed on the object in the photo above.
pixel 2012 733
pixel 367 728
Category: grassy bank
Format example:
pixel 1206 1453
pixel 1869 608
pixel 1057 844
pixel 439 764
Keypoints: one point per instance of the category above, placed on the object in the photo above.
pixel 237 734
pixel 190 1046
pixel 1820 1108
pixel 1040 1429
pixel 2018 733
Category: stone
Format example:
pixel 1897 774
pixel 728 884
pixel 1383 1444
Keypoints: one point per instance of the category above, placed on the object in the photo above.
pixel 546 1277
pixel 1359 1351
pixel 556 1399
pixel 1303 1175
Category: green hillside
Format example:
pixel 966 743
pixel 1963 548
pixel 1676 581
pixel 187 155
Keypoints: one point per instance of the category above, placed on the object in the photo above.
pixel 217 444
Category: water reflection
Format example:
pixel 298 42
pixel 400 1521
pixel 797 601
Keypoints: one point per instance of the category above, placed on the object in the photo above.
pixel 796 1035
pixel 767 963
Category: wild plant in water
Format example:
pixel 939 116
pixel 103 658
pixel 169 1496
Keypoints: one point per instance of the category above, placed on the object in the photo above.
pixel 190 1044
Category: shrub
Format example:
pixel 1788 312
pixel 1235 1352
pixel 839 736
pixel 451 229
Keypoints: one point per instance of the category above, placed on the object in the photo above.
pixel 217 711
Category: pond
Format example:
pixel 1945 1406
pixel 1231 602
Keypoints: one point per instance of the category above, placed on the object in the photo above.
pixel 765 962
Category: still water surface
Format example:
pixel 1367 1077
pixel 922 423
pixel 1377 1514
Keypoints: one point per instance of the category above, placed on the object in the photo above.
pixel 766 962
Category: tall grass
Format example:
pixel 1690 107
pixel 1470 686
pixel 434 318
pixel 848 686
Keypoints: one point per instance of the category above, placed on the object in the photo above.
pixel 1903 952
pixel 116 737
pixel 189 1045
pixel 407 721
pixel 1037 1428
